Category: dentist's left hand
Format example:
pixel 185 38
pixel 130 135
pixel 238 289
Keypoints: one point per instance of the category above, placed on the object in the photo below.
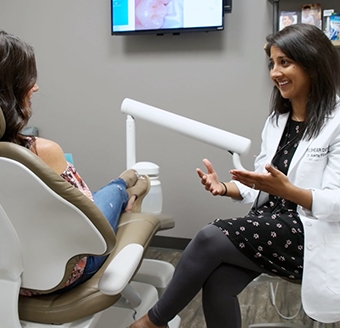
pixel 273 182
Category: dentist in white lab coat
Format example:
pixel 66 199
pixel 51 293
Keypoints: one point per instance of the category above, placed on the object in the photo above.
pixel 293 227
pixel 315 170
pixel 313 178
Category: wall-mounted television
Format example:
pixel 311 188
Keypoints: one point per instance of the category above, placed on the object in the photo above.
pixel 167 16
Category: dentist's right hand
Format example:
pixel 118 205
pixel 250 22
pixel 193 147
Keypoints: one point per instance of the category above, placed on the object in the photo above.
pixel 210 179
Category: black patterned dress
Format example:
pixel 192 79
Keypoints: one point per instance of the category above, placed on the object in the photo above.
pixel 272 235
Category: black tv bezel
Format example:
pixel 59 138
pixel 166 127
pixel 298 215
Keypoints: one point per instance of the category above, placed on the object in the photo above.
pixel 226 8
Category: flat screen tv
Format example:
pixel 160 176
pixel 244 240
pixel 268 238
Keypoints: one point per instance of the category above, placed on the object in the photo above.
pixel 166 16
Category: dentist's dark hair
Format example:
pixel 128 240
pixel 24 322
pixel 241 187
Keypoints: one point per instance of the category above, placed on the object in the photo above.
pixel 18 74
pixel 310 48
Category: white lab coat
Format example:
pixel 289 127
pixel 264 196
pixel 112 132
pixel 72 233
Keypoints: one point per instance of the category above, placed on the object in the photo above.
pixel 315 166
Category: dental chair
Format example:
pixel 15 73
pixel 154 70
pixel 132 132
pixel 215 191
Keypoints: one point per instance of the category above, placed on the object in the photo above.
pixel 41 216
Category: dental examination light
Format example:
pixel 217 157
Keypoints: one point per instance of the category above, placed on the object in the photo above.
pixel 230 142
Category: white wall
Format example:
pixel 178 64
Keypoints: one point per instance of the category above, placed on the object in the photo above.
pixel 218 78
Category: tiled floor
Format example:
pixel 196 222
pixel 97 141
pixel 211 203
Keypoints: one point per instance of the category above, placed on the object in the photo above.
pixel 255 303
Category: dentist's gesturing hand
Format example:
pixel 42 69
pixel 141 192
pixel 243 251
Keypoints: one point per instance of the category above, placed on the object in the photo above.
pixel 273 182
pixel 276 183
pixel 210 180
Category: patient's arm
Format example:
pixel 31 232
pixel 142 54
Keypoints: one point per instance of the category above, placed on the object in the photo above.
pixel 51 153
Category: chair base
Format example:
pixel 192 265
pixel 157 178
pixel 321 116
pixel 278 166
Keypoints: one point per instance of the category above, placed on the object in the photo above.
pixel 120 316
pixel 175 322
pixel 156 273
pixel 277 325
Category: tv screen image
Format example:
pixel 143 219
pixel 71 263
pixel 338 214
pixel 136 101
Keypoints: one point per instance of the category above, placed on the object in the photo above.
pixel 166 16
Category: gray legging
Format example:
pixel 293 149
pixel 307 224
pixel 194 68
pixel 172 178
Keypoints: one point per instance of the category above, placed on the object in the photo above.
pixel 212 262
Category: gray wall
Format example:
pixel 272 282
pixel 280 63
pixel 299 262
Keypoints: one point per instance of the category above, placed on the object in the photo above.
pixel 218 78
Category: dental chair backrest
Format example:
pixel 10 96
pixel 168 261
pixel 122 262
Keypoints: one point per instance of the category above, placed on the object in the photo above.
pixel 32 196
pixel 44 209
pixel 41 216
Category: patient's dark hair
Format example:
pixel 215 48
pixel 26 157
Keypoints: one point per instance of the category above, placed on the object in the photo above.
pixel 310 48
pixel 18 74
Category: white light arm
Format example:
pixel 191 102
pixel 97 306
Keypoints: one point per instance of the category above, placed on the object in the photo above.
pixel 233 143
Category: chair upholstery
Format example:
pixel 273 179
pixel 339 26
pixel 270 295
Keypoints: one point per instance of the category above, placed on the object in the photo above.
pixel 29 193
pixel 87 299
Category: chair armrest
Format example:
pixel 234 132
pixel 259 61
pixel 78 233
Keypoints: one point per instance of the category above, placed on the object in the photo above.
pixel 119 272
pixel 166 221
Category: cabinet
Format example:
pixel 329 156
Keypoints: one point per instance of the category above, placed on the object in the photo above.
pixel 296 5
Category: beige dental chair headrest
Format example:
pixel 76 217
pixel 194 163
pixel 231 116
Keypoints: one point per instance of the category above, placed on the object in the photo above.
pixel 2 123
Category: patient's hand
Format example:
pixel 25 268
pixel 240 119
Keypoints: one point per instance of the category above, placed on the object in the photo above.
pixel 210 180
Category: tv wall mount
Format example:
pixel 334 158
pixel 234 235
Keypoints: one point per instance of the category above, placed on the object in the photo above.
pixel 228 6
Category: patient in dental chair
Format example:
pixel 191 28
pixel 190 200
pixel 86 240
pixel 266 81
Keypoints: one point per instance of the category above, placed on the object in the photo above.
pixel 18 76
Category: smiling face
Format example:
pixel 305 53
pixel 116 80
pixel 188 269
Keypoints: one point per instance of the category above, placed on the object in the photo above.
pixel 287 20
pixel 289 77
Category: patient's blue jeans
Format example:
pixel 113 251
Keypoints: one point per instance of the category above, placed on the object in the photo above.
pixel 111 200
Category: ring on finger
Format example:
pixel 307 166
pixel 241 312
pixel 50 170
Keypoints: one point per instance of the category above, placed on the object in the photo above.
pixel 253 186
